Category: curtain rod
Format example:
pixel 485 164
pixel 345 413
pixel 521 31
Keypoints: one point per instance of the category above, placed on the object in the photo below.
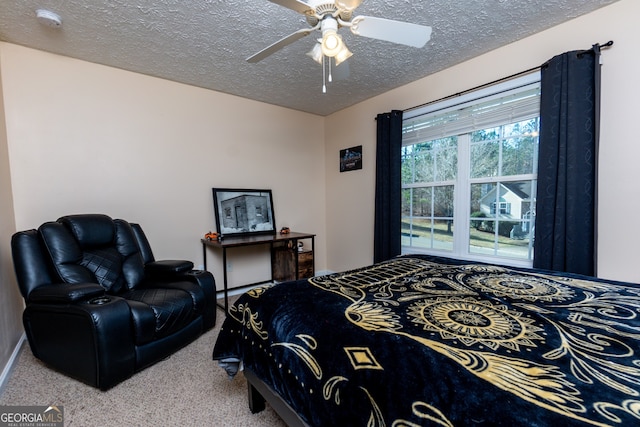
pixel 503 79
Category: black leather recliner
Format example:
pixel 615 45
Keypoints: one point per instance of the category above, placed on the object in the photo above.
pixel 98 306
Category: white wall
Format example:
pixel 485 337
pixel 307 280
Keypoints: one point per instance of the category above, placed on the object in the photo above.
pixel 350 196
pixel 10 300
pixel 88 138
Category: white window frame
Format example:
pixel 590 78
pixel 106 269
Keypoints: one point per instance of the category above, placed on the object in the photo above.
pixel 499 207
pixel 462 185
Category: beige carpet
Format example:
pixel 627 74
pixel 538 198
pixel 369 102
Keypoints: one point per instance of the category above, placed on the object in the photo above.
pixel 187 389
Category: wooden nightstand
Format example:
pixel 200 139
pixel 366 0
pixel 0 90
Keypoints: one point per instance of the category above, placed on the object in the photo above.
pixel 289 263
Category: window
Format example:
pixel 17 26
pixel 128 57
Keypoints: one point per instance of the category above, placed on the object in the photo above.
pixel 504 208
pixel 469 174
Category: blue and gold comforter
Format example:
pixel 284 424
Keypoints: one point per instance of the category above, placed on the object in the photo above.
pixel 421 340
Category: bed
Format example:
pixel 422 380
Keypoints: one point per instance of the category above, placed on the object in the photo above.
pixel 421 340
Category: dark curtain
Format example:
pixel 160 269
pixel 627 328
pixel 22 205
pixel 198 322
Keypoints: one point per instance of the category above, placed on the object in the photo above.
pixel 567 165
pixel 386 243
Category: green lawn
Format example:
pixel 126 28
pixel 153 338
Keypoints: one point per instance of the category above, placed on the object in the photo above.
pixel 478 238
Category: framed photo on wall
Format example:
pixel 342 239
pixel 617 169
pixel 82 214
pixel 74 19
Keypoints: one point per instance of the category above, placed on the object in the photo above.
pixel 243 212
pixel 351 159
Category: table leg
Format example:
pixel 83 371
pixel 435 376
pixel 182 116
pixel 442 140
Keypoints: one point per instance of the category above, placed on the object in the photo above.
pixel 226 291
pixel 297 258
pixel 204 256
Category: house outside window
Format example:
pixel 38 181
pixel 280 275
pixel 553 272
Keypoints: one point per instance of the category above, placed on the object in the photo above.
pixel 469 174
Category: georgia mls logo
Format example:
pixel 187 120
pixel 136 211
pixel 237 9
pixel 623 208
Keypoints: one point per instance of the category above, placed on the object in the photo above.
pixel 31 416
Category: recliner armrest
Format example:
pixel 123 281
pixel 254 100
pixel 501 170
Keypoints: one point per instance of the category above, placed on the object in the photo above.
pixel 65 292
pixel 168 267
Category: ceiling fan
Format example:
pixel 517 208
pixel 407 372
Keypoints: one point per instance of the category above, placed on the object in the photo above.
pixel 329 16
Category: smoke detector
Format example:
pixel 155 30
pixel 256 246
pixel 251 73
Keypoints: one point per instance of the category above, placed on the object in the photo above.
pixel 48 18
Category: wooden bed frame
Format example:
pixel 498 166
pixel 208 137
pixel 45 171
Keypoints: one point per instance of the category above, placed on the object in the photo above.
pixel 259 392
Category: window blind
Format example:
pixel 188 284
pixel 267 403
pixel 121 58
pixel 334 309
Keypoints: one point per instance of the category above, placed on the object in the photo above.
pixel 511 106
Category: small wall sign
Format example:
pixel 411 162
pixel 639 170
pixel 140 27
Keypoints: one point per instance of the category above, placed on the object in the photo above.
pixel 351 159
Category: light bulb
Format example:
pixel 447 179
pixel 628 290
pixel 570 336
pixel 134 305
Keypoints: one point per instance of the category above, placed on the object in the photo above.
pixel 331 44
pixel 331 40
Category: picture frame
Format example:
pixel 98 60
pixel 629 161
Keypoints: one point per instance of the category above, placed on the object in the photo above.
pixel 243 212
pixel 351 159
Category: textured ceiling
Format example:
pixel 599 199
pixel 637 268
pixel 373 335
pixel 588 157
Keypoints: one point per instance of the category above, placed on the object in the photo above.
pixel 205 43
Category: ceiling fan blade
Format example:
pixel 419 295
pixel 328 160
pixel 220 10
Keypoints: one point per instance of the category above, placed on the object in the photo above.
pixel 279 45
pixel 392 31
pixel 297 5
pixel 348 4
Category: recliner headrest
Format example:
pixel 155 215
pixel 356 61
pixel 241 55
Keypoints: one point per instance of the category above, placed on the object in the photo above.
pixel 90 230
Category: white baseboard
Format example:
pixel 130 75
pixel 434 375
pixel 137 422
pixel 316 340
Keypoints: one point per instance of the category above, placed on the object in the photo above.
pixel 324 272
pixel 4 377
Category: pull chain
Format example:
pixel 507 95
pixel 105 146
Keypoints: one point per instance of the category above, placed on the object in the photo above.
pixel 324 84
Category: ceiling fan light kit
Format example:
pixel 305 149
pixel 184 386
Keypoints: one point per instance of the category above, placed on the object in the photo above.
pixel 342 56
pixel 329 17
pixel 332 42
pixel 316 53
